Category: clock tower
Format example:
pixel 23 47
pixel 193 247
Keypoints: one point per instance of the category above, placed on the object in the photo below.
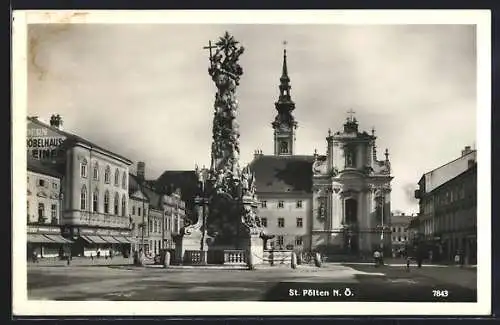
pixel 284 124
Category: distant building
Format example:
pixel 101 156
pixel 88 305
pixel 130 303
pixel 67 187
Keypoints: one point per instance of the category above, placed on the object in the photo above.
pixel 44 198
pixel 95 188
pixel 161 216
pixel 447 220
pixel 400 234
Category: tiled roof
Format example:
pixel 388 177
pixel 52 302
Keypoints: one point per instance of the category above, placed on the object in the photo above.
pixel 72 139
pixel 283 174
pixel 40 167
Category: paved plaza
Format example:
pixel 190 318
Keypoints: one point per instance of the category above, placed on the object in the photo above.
pixel 279 283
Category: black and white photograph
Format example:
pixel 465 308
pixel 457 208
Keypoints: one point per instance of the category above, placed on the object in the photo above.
pixel 171 162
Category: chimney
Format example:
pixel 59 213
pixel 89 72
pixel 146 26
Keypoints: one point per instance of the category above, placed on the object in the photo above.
pixel 56 121
pixel 141 170
pixel 466 151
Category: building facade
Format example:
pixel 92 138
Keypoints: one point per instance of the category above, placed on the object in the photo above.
pixel 44 200
pixel 400 232
pixel 344 194
pixel 95 188
pixel 162 215
pixel 447 221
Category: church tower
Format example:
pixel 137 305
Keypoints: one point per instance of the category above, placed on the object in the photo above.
pixel 284 124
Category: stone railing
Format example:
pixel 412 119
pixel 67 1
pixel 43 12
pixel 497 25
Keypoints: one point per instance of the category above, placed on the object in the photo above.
pixel 234 257
pixel 192 257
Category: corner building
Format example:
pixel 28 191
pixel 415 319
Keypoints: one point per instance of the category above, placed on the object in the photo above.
pixel 95 188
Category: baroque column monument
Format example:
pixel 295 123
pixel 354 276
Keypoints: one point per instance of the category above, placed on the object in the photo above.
pixel 227 227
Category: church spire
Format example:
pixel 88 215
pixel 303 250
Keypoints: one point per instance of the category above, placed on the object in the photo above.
pixel 284 124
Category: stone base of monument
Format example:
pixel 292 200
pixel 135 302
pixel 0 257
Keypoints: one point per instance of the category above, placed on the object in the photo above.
pixel 188 249
pixel 278 257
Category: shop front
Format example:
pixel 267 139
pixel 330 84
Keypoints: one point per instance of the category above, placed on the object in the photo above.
pixel 101 242
pixel 47 242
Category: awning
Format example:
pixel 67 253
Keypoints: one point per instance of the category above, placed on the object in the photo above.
pixel 110 239
pixel 94 240
pixel 37 238
pixel 59 239
pixel 123 240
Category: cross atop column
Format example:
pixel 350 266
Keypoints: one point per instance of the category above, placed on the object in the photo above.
pixel 351 114
pixel 209 48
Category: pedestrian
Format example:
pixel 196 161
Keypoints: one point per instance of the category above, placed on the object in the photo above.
pixel 457 258
pixel 110 254
pixel 98 253
pixel 92 256
pixel 376 258
pixel 408 264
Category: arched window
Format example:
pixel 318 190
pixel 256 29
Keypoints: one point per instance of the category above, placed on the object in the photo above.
pixel 284 147
pixel 117 177
pixel 106 202
pixel 83 198
pixel 96 171
pixel 124 180
pixel 107 175
pixel 95 201
pixel 83 168
pixel 124 205
pixel 117 204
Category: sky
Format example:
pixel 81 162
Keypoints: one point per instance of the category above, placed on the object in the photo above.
pixel 143 90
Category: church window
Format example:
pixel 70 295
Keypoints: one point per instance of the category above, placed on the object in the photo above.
pixel 281 204
pixel 284 147
pixel 299 204
pixel 281 222
pixel 300 223
pixel 133 210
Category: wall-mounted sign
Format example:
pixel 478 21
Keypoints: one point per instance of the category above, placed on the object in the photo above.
pixel 43 143
pixel 51 230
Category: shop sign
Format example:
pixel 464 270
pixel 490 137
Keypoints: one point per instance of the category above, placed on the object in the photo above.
pixel 43 143
pixel 44 230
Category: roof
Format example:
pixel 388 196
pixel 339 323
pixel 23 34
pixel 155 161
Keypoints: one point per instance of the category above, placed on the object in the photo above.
pixel 44 168
pixel 283 174
pixel 72 139
pixel 471 169
pixel 185 180
pixel 441 175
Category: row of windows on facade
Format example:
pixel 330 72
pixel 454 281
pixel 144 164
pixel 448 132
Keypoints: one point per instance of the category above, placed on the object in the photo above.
pixel 154 226
pixel 399 239
pixel 107 174
pixel 43 183
pixel 399 229
pixel 281 222
pixel 281 204
pixel 449 222
pixel 280 241
pixel 446 197
pixel 95 202
pixel 42 216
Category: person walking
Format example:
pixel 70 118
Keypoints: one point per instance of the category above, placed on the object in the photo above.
pixel 376 258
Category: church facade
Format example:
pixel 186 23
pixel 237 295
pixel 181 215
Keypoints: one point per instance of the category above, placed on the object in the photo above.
pixel 344 194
